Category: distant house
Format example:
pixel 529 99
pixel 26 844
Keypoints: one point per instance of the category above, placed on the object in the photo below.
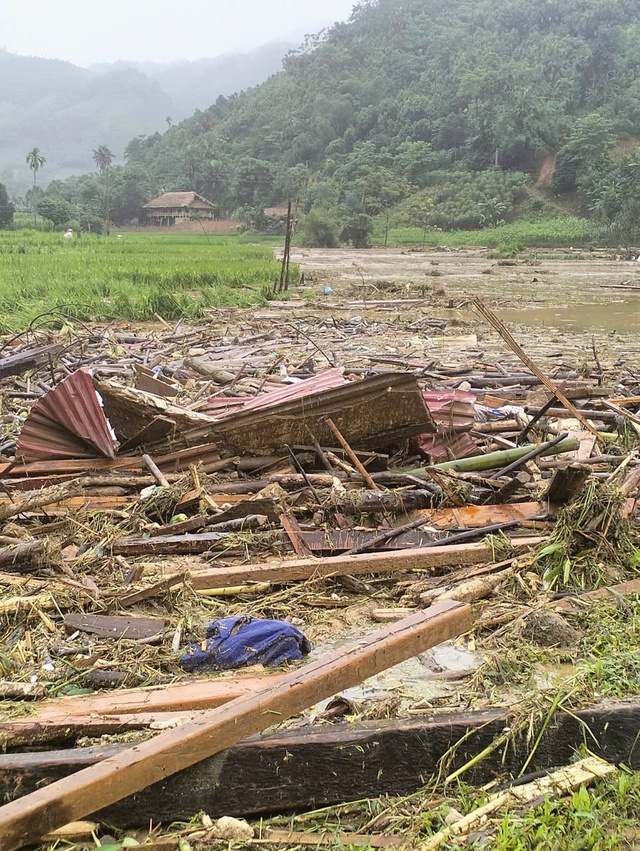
pixel 174 207
pixel 279 211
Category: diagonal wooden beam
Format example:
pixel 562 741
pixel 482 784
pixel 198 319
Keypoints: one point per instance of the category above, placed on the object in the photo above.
pixel 515 347
pixel 24 821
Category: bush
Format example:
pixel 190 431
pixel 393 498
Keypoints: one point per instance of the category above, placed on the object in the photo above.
pixel 356 229
pixel 318 229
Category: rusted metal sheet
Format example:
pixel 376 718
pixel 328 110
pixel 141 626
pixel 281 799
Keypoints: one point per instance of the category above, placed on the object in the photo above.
pixel 446 446
pixel 452 410
pixel 326 380
pixel 68 422
pixel 374 413
pixel 454 415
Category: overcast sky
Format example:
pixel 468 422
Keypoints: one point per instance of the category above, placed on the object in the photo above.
pixel 87 31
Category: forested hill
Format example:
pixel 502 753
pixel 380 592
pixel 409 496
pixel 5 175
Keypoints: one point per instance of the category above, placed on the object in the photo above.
pixel 419 112
pixel 68 111
pixel 428 111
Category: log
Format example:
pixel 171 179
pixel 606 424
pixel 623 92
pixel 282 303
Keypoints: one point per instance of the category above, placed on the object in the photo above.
pixel 297 770
pixel 573 603
pixel 28 359
pixel 23 556
pixel 26 820
pixel 109 626
pixel 432 559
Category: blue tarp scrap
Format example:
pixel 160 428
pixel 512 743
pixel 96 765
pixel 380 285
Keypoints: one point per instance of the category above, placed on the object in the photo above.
pixel 243 641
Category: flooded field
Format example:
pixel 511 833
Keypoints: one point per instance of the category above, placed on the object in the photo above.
pixel 565 290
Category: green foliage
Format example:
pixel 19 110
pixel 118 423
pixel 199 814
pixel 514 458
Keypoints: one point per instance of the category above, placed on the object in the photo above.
pixel 413 101
pixel 602 817
pixel 457 103
pixel 356 229
pixel 558 231
pixel 132 278
pixel 319 229
pixel 591 136
pixel 57 210
pixel 7 209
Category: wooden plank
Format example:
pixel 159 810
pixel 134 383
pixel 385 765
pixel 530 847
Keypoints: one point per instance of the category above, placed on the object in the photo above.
pixel 304 768
pixel 36 731
pixel 78 503
pixel 108 626
pixel 431 559
pixel 28 359
pixel 317 840
pixel 92 788
pixel 580 602
pixel 183 697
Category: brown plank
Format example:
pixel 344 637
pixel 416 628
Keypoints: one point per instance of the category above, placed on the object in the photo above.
pixel 92 788
pixel 118 626
pixel 477 516
pixel 348 840
pixel 580 602
pixel 199 542
pixel 28 359
pixel 35 731
pixel 431 559
pixel 187 696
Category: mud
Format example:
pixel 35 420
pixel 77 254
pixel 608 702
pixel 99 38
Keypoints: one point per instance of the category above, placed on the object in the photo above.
pixel 556 302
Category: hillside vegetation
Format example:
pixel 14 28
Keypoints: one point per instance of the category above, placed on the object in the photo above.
pixel 68 111
pixel 425 113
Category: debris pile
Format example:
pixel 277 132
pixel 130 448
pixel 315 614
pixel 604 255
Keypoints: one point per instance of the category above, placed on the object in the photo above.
pixel 209 525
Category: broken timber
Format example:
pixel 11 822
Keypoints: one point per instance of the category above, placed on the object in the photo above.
pixel 27 819
pixel 295 770
pixel 431 559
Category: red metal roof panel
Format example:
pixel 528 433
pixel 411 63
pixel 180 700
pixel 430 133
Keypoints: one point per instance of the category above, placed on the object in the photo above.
pixel 67 422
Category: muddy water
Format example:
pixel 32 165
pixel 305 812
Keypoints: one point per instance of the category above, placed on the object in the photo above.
pixel 568 294
pixel 619 316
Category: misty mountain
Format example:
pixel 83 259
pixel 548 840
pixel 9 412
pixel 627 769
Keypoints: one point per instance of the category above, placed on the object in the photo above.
pixel 67 111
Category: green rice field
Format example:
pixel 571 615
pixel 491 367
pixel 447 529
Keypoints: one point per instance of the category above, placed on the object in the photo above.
pixel 136 277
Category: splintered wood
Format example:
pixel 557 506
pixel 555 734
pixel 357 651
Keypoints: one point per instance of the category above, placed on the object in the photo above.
pixel 555 785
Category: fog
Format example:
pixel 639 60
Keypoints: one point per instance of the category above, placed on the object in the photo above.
pixel 86 32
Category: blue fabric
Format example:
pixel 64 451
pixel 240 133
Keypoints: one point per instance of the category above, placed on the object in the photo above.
pixel 243 641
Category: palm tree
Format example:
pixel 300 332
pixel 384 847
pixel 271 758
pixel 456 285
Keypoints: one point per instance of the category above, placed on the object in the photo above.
pixel 103 158
pixel 35 161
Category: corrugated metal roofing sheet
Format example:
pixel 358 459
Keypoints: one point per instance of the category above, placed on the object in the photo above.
pixel 67 422
pixel 327 380
pixel 454 415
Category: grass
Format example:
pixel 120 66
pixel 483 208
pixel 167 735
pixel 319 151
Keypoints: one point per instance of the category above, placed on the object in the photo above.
pixel 604 816
pixel 133 278
pixel 557 231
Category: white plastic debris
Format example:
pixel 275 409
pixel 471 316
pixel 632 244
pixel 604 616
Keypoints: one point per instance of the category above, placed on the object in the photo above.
pixel 232 828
